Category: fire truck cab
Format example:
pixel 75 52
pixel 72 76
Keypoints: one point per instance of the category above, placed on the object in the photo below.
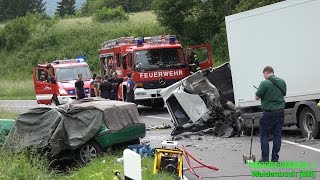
pixel 55 82
pixel 155 63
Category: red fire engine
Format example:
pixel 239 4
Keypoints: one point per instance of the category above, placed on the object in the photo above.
pixel 155 62
pixel 55 82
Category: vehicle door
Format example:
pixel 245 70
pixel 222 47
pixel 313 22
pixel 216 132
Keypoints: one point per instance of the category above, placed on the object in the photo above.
pixel 200 53
pixel 44 84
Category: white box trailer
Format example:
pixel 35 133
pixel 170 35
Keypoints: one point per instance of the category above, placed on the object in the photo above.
pixel 285 36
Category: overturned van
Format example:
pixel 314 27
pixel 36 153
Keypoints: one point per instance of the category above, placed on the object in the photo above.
pixel 202 101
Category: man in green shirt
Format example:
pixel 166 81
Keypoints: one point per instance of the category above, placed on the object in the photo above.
pixel 271 91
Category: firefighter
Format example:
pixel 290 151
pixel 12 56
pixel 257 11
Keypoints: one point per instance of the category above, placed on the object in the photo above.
pixel 105 88
pixel 93 86
pixel 131 86
pixel 193 62
pixel 50 78
pixel 115 81
pixel 80 94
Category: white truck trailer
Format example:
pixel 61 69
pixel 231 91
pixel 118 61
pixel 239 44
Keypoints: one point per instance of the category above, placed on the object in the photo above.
pixel 285 36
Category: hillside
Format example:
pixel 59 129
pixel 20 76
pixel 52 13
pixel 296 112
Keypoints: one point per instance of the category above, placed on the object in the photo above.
pixel 51 5
pixel 68 38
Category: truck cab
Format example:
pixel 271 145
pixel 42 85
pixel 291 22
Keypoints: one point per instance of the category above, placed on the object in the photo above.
pixel 155 62
pixel 55 82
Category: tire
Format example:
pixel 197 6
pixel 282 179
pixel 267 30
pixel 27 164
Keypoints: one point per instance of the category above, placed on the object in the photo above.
pixel 88 152
pixel 308 123
pixel 133 142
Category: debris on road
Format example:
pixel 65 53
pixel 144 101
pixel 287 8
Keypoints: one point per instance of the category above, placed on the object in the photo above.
pixel 203 103
pixel 163 126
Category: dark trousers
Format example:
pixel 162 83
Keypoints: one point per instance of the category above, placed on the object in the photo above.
pixel 114 96
pixel 130 96
pixel 271 122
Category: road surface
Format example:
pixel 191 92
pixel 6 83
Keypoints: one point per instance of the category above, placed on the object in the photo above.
pixel 223 153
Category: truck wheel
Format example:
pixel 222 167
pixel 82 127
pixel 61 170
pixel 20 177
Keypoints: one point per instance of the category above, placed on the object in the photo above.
pixel 88 152
pixel 308 123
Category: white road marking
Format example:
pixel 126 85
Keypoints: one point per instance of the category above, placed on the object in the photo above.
pixel 301 145
pixel 158 117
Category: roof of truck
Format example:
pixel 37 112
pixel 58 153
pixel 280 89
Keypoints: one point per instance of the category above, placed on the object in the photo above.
pixel 64 63
pixel 265 9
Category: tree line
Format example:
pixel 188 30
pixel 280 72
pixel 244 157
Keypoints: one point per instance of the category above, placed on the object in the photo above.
pixel 11 9
pixel 193 21
pixel 201 21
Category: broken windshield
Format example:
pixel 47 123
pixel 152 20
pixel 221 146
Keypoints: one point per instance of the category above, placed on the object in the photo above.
pixel 71 73
pixel 159 59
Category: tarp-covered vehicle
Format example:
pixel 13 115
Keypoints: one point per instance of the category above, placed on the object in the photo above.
pixel 5 127
pixel 86 128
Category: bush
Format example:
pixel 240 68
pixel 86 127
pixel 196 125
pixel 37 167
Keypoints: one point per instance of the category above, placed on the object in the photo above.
pixel 91 6
pixel 16 32
pixel 108 14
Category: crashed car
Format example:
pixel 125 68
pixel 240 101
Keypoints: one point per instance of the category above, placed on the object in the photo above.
pixel 203 101
pixel 5 127
pixel 84 128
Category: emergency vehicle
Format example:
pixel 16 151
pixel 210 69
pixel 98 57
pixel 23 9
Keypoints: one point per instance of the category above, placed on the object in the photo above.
pixel 55 82
pixel 155 63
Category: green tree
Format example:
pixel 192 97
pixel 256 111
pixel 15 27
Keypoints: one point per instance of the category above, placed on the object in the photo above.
pixel 245 5
pixel 10 9
pixel 66 7
pixel 194 21
pixel 92 6
pixel 110 14
pixel 201 21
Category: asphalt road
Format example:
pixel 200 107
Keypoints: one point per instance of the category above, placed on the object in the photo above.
pixel 223 153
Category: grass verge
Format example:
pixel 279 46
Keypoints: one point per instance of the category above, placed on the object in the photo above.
pixel 7 114
pixel 17 89
pixel 24 166
pixel 104 167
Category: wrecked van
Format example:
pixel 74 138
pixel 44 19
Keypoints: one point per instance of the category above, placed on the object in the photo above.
pixel 203 101
pixel 84 128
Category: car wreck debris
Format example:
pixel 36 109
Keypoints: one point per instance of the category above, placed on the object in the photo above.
pixel 203 102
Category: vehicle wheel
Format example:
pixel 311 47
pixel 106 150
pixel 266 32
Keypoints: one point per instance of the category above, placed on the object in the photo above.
pixel 135 141
pixel 308 123
pixel 88 152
